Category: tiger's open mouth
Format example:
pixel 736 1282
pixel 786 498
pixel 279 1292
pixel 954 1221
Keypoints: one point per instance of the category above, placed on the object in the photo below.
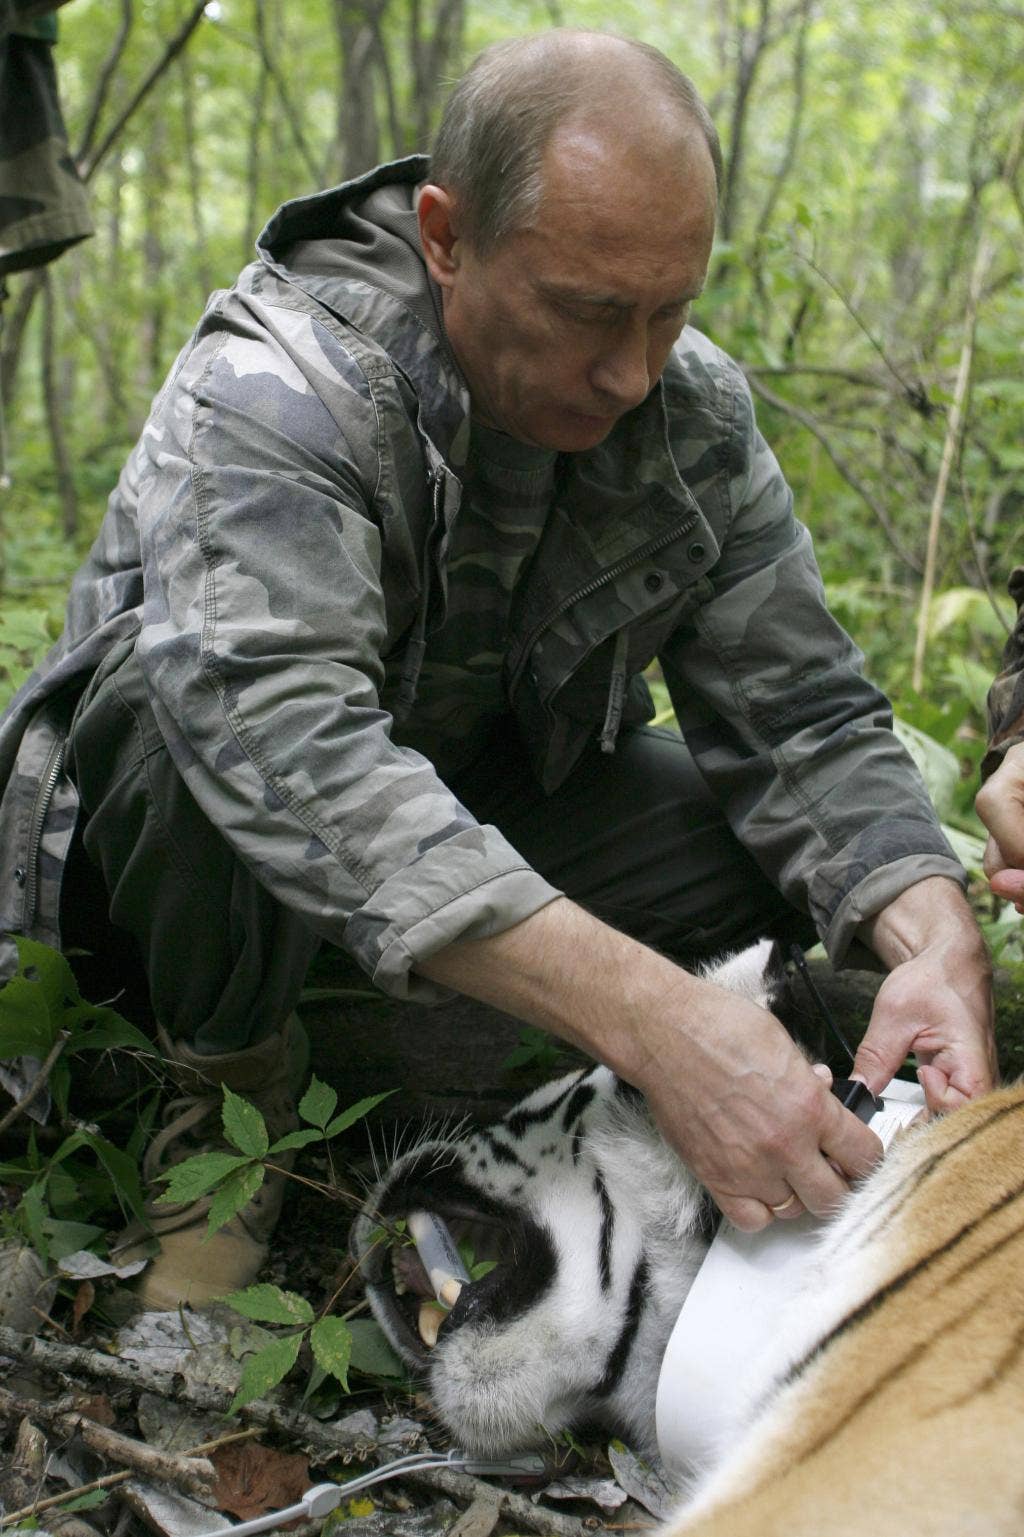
pixel 498 1259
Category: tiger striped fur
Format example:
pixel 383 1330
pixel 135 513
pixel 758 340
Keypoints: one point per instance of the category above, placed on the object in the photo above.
pixel 890 1397
pixel 900 1408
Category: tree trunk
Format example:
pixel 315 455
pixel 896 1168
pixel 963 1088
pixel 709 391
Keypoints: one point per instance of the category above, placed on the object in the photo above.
pixel 195 177
pixel 15 320
pixel 150 350
pixel 53 392
pixel 253 191
pixel 750 44
pixel 359 132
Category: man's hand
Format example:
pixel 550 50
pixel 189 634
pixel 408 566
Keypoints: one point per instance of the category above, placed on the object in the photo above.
pixel 727 1087
pixel 936 1000
pixel 1000 805
pixel 749 1115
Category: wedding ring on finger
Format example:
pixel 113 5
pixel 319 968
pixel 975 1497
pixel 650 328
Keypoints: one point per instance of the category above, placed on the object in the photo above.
pixel 779 1211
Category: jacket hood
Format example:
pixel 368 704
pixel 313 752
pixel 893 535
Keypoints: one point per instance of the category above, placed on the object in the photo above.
pixel 362 231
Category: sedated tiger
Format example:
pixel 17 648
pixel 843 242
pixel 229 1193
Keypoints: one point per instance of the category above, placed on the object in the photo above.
pixel 890 1395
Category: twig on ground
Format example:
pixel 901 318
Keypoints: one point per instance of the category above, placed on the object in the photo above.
pixel 112 1480
pixel 191 1475
pixel 517 1508
pixel 323 1440
pixel 41 1079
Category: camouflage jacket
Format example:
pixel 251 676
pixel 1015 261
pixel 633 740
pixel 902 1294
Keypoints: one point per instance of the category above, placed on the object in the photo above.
pixel 43 204
pixel 1006 696
pixel 276 551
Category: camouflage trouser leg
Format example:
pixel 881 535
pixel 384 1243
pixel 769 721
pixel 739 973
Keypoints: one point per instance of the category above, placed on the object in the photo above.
pixel 635 837
pixel 224 962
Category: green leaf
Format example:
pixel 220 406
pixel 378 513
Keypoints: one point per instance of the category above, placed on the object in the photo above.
pixel 69 1237
pixel 937 766
pixel 63 1192
pixel 268 1304
pixel 297 1139
pixel 51 972
pixel 371 1352
pixel 244 1127
pixel 331 1342
pixel 123 1172
pixel 237 1191
pixel 355 1113
pixel 98 1028
pixel 266 1369
pixel 189 1180
pixel 26 1028
pixel 318 1103
pixel 86 1501
pixel 33 1214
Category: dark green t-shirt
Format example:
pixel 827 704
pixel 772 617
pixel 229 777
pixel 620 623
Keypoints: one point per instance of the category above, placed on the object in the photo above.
pixel 507 495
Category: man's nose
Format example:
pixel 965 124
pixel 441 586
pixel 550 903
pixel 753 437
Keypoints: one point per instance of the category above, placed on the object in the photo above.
pixel 622 373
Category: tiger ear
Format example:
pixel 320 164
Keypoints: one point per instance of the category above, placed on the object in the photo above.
pixel 749 972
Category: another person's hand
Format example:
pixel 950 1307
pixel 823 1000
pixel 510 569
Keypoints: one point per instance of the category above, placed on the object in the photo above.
pixel 1000 805
pixel 937 999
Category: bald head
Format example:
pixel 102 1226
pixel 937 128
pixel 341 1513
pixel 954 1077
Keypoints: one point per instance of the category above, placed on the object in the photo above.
pixel 520 96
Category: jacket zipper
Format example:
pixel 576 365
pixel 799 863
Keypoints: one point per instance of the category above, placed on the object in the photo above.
pixel 417 643
pixel 634 558
pixel 48 785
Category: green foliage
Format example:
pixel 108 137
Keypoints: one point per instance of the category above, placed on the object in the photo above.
pixel 233 1179
pixel 536 1050
pixel 872 141
pixel 86 1176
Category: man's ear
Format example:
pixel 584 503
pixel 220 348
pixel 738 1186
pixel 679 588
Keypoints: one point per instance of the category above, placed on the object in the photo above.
pixel 435 210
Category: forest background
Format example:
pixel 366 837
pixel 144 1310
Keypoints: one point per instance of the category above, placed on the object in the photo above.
pixel 866 276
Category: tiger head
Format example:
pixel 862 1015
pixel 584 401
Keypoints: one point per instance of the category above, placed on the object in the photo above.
pixel 590 1230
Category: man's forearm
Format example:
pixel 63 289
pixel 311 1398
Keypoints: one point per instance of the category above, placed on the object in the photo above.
pixel 933 910
pixel 725 1084
pixel 565 971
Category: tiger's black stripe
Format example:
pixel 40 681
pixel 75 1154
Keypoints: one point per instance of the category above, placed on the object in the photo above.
pixel 905 1277
pixel 580 1098
pixel 517 1121
pixel 929 1167
pixel 616 1362
pixel 501 1153
pixel 604 1248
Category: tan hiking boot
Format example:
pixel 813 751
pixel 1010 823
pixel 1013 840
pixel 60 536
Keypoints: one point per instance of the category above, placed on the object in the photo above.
pixel 189 1267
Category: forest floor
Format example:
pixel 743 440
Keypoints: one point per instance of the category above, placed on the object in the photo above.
pixel 98 1399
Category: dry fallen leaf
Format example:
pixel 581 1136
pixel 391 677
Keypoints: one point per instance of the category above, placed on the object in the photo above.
pixel 96 1407
pixel 253 1479
pixel 85 1296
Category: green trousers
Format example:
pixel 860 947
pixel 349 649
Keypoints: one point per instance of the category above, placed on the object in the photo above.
pixel 633 836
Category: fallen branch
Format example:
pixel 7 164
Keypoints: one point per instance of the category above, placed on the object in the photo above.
pixel 517 1508
pixel 323 1441
pixel 41 1079
pixel 189 1474
pixel 111 1480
